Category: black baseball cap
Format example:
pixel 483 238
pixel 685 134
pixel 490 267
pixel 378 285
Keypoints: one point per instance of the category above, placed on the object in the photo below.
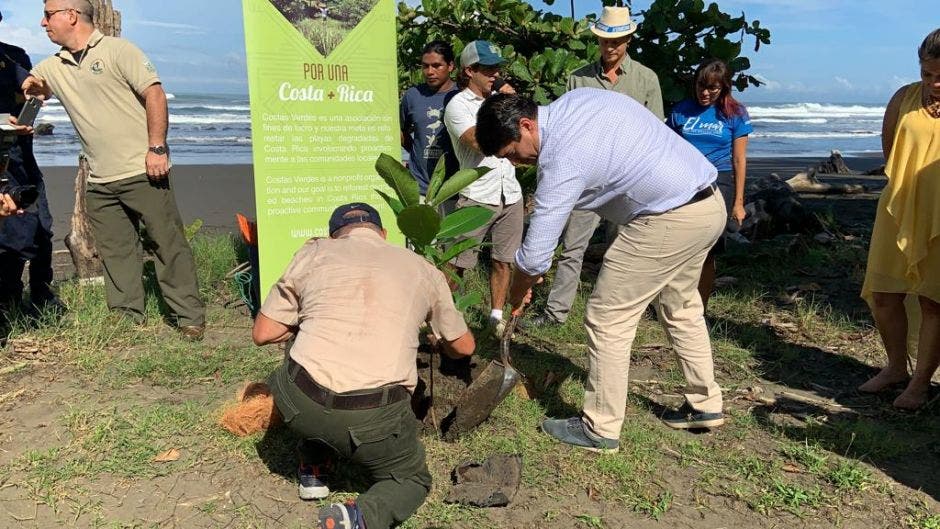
pixel 369 214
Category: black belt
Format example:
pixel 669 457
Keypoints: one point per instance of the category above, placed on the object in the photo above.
pixel 352 400
pixel 701 195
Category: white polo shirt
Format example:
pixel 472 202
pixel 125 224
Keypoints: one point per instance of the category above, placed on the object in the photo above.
pixel 500 183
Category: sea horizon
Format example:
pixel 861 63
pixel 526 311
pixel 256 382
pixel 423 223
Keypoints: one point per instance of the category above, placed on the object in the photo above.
pixel 215 129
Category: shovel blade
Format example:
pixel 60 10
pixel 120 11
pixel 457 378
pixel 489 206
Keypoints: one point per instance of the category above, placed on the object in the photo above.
pixel 480 398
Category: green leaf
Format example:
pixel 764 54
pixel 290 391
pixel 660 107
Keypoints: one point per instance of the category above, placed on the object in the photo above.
pixel 740 64
pixel 419 223
pixel 437 178
pixel 537 62
pixel 540 96
pixel 463 220
pixel 399 179
pixel 457 182
pixel 464 302
pixel 574 44
pixel 527 176
pixel 519 71
pixel 392 202
pixel 457 249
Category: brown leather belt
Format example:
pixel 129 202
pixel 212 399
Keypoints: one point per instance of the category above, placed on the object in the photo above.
pixel 352 400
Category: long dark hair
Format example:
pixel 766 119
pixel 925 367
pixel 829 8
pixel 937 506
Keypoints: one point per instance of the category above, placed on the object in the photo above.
pixel 715 70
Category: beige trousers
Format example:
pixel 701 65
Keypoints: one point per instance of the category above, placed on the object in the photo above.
pixel 652 256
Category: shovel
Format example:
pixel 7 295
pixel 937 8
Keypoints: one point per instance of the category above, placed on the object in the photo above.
pixel 485 393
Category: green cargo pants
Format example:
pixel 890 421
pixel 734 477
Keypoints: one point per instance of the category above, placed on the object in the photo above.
pixel 384 440
pixel 115 210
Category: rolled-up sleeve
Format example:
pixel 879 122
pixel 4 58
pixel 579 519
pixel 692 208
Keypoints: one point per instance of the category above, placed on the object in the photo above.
pixel 559 187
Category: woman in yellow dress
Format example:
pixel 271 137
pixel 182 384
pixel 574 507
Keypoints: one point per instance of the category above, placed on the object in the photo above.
pixel 904 257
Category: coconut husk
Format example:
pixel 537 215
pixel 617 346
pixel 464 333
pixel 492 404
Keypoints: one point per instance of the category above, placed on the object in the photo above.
pixel 253 411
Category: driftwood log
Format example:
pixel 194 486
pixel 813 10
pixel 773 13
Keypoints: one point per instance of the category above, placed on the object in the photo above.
pixel 79 241
pixel 808 181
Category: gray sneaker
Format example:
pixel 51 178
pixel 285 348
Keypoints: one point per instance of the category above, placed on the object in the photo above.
pixel 310 486
pixel 686 418
pixel 540 321
pixel 573 432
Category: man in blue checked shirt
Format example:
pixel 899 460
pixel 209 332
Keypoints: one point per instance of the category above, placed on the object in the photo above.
pixel 602 151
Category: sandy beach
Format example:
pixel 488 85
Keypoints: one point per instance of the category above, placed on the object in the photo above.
pixel 215 193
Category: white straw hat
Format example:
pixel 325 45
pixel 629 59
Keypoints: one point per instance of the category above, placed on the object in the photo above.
pixel 615 22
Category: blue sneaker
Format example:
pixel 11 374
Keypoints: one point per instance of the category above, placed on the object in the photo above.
pixel 573 432
pixel 686 418
pixel 341 516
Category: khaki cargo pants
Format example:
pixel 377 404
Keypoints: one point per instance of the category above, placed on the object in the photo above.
pixel 653 255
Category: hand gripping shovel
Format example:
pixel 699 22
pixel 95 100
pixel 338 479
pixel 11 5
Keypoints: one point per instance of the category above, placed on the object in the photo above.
pixel 486 391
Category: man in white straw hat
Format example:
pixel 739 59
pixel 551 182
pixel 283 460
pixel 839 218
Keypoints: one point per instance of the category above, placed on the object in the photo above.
pixel 616 71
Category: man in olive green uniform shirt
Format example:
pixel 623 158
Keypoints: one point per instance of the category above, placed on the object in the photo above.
pixel 615 70
pixel 355 304
pixel 116 102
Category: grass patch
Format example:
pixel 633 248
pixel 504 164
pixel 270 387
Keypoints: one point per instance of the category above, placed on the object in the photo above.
pixel 749 462
pixel 849 476
pixel 789 496
pixel 813 458
pixel 120 443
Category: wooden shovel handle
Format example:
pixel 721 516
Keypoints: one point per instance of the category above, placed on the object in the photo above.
pixel 504 341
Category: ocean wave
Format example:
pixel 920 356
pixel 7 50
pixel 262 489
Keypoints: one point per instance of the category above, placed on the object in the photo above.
pixel 200 140
pixel 815 121
pixel 209 119
pixel 815 110
pixel 817 135
pixel 46 118
pixel 58 139
pixel 197 107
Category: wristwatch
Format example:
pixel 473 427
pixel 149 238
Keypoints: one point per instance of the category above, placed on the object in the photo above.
pixel 159 150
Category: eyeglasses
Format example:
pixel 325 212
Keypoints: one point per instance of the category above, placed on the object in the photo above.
pixel 46 15
pixel 708 88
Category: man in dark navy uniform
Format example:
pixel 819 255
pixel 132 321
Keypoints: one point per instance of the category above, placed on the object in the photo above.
pixel 25 237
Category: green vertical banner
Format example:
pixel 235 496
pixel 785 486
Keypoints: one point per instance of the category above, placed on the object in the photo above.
pixel 323 84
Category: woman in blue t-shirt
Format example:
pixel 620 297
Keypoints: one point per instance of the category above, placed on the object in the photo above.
pixel 717 125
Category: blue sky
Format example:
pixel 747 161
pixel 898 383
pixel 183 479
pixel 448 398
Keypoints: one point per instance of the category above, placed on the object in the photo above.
pixel 821 50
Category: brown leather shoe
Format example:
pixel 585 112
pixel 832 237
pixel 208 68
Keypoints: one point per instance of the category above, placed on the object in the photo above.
pixel 194 333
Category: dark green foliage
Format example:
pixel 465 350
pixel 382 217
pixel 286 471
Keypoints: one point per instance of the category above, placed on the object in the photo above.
pixel 431 234
pixel 543 48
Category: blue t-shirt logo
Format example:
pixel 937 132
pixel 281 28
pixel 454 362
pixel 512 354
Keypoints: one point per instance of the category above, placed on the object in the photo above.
pixel 709 132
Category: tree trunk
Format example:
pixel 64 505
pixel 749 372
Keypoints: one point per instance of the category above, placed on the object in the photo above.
pixel 79 241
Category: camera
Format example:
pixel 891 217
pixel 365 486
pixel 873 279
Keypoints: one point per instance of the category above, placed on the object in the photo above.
pixel 23 196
